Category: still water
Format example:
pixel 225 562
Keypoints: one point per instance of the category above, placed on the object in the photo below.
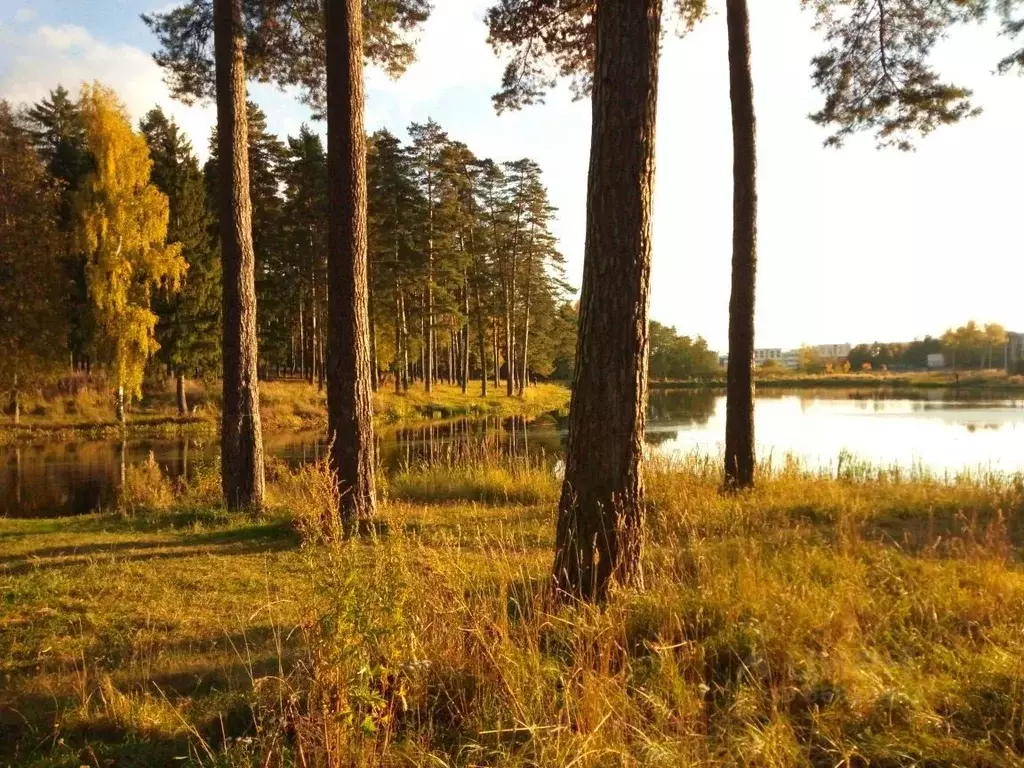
pixel 941 431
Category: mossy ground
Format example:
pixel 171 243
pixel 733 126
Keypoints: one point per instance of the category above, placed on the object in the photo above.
pixel 873 619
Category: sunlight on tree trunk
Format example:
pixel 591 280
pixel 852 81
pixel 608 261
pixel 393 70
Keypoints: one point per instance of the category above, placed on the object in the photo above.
pixel 241 434
pixel 349 401
pixel 601 512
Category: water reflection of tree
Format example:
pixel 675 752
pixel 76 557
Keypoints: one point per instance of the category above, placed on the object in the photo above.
pixel 682 407
pixel 466 442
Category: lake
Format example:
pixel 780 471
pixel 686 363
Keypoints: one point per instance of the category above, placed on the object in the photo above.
pixel 943 432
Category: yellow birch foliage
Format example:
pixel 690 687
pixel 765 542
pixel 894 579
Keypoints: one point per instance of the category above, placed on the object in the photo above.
pixel 122 228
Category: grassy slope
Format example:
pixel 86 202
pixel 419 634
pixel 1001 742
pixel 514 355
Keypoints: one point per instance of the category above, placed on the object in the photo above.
pixel 284 405
pixel 876 619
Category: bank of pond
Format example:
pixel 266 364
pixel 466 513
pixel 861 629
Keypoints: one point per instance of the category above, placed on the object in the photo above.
pixel 938 432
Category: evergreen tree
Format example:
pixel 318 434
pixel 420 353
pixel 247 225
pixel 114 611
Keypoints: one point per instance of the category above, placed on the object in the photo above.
pixel 426 153
pixel 32 295
pixel 188 328
pixel 302 280
pixel 58 135
pixel 394 205
pixel 122 227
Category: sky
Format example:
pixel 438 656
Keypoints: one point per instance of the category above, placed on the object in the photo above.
pixel 855 245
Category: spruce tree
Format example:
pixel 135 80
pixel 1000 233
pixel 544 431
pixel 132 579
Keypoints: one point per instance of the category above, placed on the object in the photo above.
pixel 32 293
pixel 188 329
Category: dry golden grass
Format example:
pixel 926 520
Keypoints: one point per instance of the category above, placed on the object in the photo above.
pixel 873 619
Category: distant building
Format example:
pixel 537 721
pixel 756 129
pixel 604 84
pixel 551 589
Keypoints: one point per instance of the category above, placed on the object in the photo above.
pixel 1014 352
pixel 832 351
pixel 723 361
pixel 762 356
pixel 936 360
pixel 791 359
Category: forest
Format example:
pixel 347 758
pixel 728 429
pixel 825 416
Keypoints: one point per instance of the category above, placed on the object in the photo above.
pixel 494 593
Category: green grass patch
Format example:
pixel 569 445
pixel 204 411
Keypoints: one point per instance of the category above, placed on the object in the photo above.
pixel 876 618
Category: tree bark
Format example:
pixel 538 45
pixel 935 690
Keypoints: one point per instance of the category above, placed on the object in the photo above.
pixel 15 402
pixel 494 350
pixel 350 409
pixel 405 344
pixel 739 412
pixel 601 512
pixel 182 400
pixel 464 333
pixel 524 379
pixel 373 340
pixel 119 409
pixel 241 436
pixel 481 328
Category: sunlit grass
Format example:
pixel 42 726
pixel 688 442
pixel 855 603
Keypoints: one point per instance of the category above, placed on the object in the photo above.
pixel 874 618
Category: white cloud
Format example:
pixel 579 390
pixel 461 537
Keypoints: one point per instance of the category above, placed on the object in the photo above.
pixel 70 55
pixel 24 15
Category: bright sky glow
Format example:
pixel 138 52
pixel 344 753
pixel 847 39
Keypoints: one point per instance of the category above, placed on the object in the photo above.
pixel 855 245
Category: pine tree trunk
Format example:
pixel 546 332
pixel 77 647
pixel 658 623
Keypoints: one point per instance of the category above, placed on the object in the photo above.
pixel 15 402
pixel 241 436
pixel 465 333
pixel 405 344
pixel 350 408
pixel 739 412
pixel 374 383
pixel 302 339
pixel 601 512
pixel 313 338
pixel 182 400
pixel 510 366
pixel 494 350
pixel 398 341
pixel 524 379
pixel 482 334
pixel 428 363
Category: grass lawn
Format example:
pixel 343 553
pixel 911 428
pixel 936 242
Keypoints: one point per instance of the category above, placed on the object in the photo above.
pixel 874 619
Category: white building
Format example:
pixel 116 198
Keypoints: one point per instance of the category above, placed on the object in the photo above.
pixel 832 351
pixel 762 356
pixel 936 360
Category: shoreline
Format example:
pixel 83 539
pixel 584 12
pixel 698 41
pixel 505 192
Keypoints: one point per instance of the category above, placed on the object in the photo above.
pixel 292 406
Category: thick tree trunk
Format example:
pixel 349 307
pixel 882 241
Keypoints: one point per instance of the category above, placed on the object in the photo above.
pixel 182 400
pixel 739 410
pixel 601 512
pixel 349 401
pixel 241 436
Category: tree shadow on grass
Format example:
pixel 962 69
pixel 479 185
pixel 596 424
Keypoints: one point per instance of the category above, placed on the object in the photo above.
pixel 268 537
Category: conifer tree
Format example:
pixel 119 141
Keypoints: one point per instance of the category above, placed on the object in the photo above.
pixel 122 227
pixel 58 135
pixel 188 329
pixel 32 295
